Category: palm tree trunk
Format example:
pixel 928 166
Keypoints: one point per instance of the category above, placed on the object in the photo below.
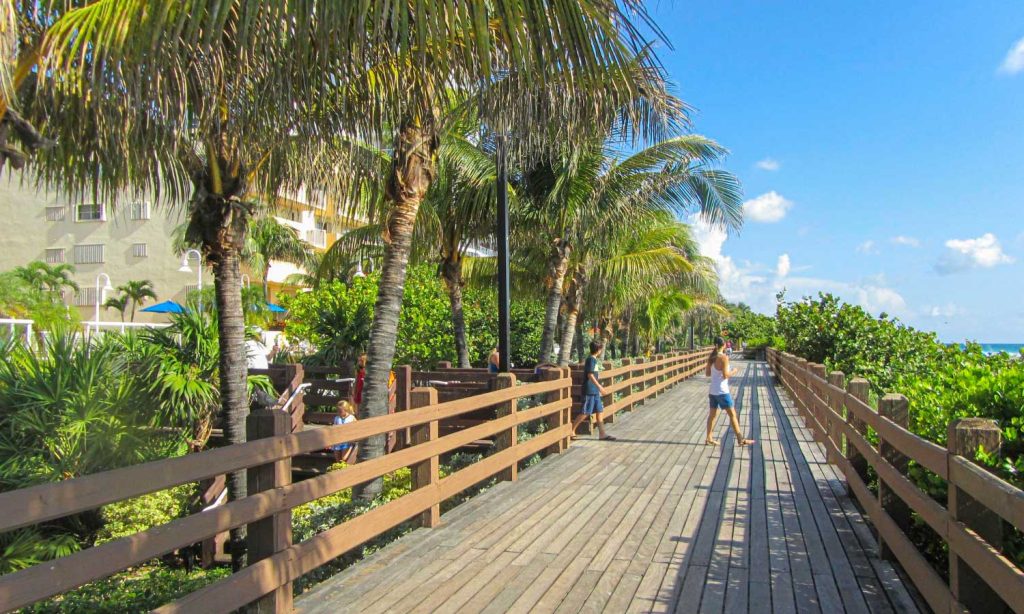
pixel 219 222
pixel 558 263
pixel 451 271
pixel 412 172
pixel 572 313
pixel 133 312
pixel 266 282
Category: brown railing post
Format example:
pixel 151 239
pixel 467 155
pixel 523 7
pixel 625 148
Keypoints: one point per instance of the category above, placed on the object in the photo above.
pixel 443 364
pixel 821 428
pixel 556 420
pixel 837 402
pixel 896 408
pixel 567 412
pixel 626 362
pixel 641 377
pixel 608 399
pixel 659 378
pixel 800 389
pixel 427 472
pixel 964 437
pixel 507 439
pixel 858 388
pixel 403 393
pixel 273 534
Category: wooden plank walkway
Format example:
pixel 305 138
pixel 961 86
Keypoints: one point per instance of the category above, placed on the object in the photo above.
pixel 654 522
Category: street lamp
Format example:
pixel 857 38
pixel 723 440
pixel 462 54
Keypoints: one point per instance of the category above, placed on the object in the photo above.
pixel 185 268
pixel 359 269
pixel 504 340
pixel 100 294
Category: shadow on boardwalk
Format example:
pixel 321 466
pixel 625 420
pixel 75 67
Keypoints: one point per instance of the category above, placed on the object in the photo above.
pixel 656 521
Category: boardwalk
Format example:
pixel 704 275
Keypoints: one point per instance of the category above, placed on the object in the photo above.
pixel 653 522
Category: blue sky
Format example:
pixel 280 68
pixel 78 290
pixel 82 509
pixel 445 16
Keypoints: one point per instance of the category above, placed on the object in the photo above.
pixel 881 147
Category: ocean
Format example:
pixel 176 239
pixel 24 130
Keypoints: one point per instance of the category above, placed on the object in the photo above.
pixel 995 348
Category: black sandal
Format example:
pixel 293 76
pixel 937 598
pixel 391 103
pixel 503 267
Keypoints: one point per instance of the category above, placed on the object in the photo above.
pixel 608 438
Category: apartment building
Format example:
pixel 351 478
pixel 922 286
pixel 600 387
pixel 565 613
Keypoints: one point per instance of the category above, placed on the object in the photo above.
pixel 131 241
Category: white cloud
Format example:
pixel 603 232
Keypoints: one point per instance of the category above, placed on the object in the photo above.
pixel 768 164
pixel 905 240
pixel 737 283
pixel 1013 63
pixel 767 208
pixel 869 293
pixel 963 254
pixel 943 311
pixel 782 266
pixel 867 247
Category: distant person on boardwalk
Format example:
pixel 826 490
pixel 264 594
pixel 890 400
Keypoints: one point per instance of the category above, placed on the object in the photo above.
pixel 493 361
pixel 346 415
pixel 718 394
pixel 592 391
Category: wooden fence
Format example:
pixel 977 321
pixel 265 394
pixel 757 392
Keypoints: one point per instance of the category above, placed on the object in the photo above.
pixel 980 509
pixel 274 562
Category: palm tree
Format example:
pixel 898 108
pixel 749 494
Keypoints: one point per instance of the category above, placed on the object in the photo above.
pixel 456 212
pixel 52 279
pixel 137 291
pixel 118 303
pixel 587 190
pixel 269 240
pixel 240 115
pixel 618 265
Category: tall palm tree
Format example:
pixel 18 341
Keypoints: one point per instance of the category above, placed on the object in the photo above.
pixel 618 265
pixel 456 212
pixel 269 240
pixel 237 113
pixel 137 291
pixel 587 190
pixel 117 303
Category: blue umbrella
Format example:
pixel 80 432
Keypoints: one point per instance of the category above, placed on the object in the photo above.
pixel 276 308
pixel 165 307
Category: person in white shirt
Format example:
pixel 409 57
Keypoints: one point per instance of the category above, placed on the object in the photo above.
pixel 719 396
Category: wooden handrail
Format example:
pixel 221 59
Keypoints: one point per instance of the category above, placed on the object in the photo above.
pixel 973 556
pixel 273 573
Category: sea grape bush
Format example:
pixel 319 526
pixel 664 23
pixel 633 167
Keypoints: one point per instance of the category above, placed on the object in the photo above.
pixel 942 382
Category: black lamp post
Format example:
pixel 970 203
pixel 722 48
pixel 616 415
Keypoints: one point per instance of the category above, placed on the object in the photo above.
pixel 504 340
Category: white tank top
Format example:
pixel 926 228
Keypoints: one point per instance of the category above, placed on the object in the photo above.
pixel 719 383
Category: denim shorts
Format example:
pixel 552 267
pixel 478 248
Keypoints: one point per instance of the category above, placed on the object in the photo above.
pixel 720 401
pixel 592 404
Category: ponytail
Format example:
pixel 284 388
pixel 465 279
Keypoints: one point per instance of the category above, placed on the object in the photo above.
pixel 714 355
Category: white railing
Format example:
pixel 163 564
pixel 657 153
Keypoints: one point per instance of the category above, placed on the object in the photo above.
pixel 93 327
pixel 12 325
pixel 317 238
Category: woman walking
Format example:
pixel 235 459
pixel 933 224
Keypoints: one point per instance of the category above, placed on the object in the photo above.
pixel 719 396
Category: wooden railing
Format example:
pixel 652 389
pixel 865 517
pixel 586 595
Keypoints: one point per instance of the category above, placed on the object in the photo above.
pixel 274 562
pixel 979 509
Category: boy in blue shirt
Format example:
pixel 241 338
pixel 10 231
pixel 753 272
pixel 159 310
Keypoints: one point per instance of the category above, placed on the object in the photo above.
pixel 592 392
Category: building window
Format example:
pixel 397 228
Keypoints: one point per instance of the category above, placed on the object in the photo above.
pixel 140 210
pixel 89 254
pixel 89 212
pixel 55 255
pixel 86 297
pixel 56 214
pixel 140 250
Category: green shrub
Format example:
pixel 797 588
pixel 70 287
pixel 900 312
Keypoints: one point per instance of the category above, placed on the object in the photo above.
pixel 336 318
pixel 136 590
pixel 134 515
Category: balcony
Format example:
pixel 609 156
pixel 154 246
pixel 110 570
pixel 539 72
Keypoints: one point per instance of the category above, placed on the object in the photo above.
pixel 317 238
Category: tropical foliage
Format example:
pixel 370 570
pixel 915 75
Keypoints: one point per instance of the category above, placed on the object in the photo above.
pixel 943 382
pixel 336 317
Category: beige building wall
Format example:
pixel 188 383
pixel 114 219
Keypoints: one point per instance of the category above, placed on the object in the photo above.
pixel 131 242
